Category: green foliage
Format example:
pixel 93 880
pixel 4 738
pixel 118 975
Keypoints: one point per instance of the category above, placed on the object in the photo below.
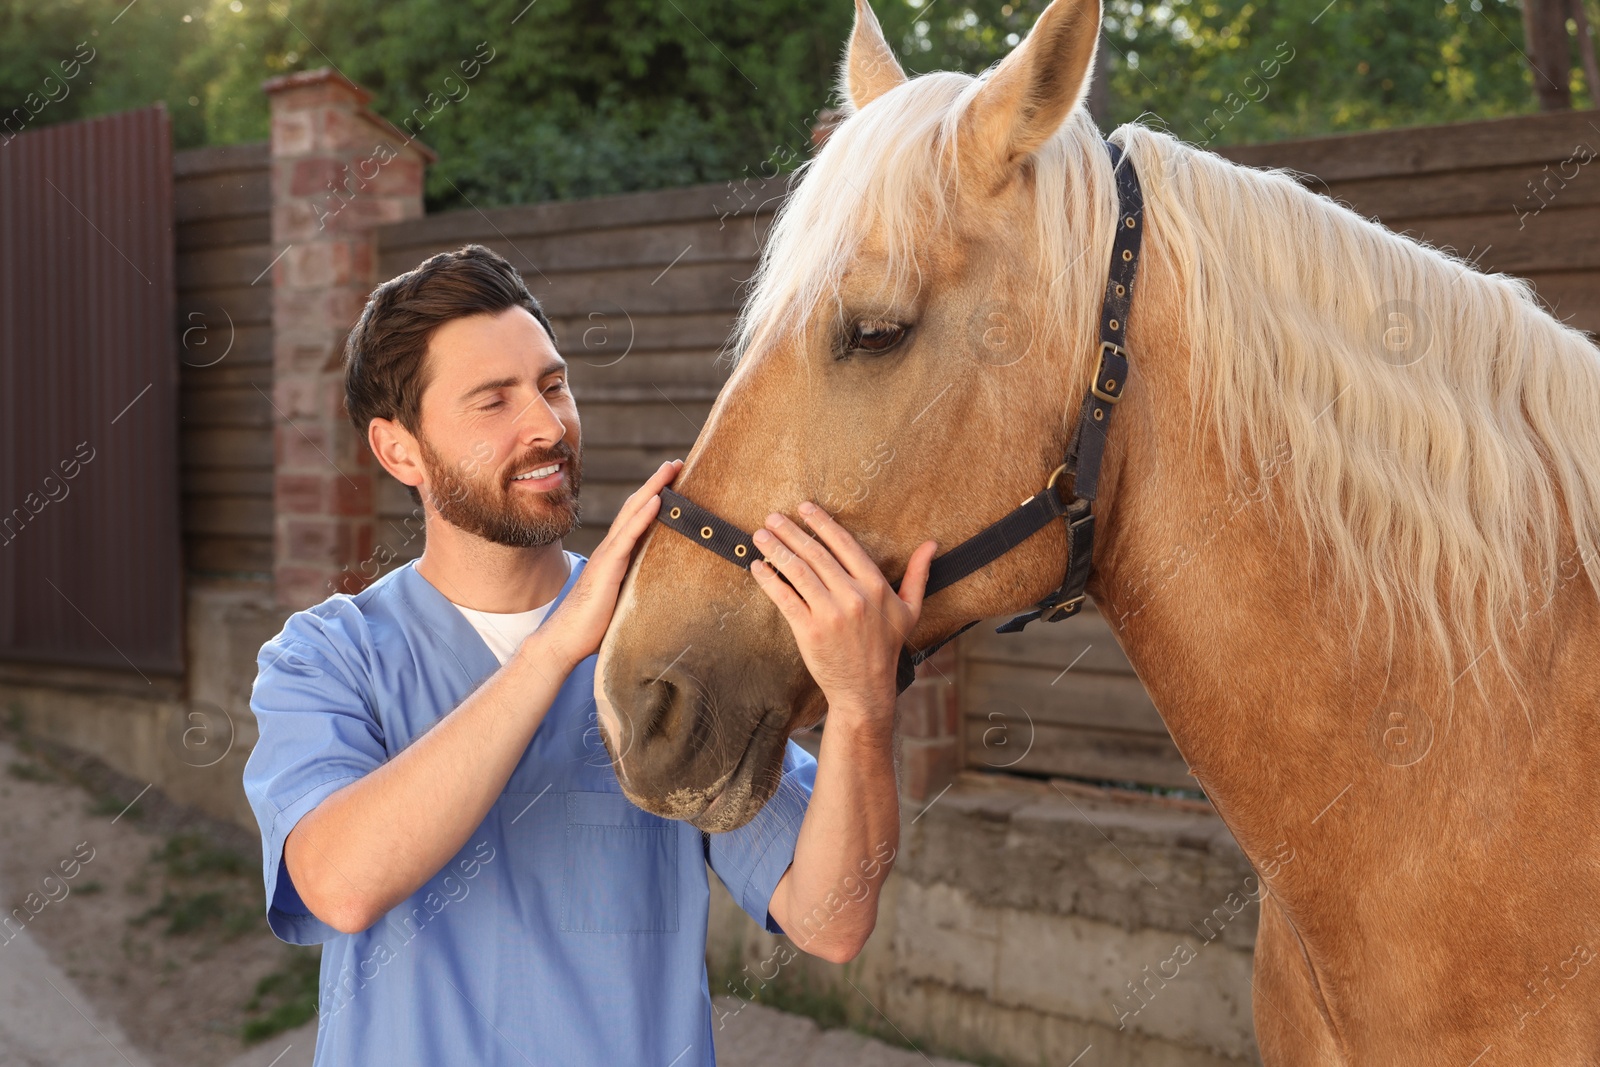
pixel 30 772
pixel 108 804
pixel 188 913
pixel 222 898
pixel 285 998
pixel 569 98
pixel 1207 69
pixel 78 58
pixel 192 855
pixel 560 98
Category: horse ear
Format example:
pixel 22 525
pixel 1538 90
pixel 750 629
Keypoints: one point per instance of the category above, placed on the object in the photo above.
pixel 870 69
pixel 1029 94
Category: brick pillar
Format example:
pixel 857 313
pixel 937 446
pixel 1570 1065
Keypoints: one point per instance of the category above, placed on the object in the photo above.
pixel 930 728
pixel 338 172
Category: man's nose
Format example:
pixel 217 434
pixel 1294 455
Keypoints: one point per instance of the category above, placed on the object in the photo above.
pixel 537 422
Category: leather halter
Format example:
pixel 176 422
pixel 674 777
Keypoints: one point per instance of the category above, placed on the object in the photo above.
pixel 1084 453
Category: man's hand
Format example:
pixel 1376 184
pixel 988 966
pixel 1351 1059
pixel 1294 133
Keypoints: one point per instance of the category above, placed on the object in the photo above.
pixel 848 620
pixel 578 626
pixel 850 625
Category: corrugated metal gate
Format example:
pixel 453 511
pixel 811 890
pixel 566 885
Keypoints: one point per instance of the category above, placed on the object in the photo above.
pixel 90 568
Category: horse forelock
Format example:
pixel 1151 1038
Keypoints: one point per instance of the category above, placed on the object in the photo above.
pixel 891 174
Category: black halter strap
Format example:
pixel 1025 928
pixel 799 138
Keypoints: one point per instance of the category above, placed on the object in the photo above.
pixel 1084 453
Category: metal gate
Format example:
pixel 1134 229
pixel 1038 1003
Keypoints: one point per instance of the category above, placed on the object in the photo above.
pixel 90 568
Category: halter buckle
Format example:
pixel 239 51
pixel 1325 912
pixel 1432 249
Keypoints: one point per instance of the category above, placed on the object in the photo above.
pixel 1108 387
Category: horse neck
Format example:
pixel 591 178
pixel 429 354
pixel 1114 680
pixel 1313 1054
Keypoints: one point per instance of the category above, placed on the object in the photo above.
pixel 1236 629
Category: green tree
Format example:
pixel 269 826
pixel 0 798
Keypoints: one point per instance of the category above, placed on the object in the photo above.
pixel 140 54
pixel 571 98
pixel 1206 69
pixel 576 98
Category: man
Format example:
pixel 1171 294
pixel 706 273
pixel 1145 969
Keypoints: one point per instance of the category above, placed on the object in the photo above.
pixel 436 807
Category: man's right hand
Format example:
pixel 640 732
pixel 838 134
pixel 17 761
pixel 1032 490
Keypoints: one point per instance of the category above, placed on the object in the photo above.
pixel 577 627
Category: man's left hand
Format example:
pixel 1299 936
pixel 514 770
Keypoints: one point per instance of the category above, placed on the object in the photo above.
pixel 849 622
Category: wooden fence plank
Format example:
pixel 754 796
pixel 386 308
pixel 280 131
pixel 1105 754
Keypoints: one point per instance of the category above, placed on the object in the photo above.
pixel 237 515
pixel 724 202
pixel 632 465
pixel 599 333
pixel 222 233
pixel 193 162
pixel 1427 150
pixel 1106 701
pixel 221 554
pixel 227 481
pixel 661 425
pixel 1572 296
pixel 235 266
pixel 1084 642
pixel 1558 238
pixel 1098 755
pixel 681 242
pixel 220 196
pixel 226 406
pixel 1515 191
pixel 227 447
pixel 244 305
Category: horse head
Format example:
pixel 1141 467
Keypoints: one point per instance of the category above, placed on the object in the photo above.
pixel 911 358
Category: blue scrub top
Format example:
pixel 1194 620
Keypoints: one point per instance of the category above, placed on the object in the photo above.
pixel 569 930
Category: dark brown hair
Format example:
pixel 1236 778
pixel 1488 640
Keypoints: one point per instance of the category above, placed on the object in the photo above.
pixel 385 356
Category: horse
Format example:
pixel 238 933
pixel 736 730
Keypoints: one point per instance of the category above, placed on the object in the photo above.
pixel 1380 655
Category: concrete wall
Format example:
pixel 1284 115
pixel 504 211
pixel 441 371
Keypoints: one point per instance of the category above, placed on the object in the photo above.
pixel 188 736
pixel 1026 921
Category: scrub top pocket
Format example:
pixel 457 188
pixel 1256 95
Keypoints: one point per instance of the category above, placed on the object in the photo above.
pixel 621 867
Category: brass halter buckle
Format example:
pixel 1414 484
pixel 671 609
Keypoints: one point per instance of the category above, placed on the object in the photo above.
pixel 1110 391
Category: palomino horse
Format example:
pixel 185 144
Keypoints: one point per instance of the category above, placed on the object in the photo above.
pixel 1353 485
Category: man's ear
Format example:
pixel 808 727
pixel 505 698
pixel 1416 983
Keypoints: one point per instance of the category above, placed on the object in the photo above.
pixel 1026 98
pixel 398 451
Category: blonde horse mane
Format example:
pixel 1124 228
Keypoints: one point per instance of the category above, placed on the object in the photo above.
pixel 1440 424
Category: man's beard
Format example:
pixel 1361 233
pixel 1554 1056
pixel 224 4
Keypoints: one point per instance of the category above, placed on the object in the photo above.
pixel 488 507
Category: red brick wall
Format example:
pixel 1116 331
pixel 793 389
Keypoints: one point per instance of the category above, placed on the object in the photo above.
pixel 930 727
pixel 338 172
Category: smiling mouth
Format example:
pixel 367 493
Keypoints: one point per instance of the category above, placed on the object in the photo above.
pixel 539 475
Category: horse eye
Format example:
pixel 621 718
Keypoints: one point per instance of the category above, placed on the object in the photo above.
pixel 875 337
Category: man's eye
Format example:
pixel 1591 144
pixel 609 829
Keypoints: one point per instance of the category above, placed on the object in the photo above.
pixel 491 405
pixel 873 337
pixel 557 386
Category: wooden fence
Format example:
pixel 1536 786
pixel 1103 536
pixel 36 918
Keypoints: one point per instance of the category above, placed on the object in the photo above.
pixel 222 213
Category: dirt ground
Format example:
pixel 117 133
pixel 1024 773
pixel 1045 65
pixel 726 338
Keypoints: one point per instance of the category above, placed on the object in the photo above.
pixel 149 917
pixel 153 912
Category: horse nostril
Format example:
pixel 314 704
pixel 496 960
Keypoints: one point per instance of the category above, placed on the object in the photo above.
pixel 660 698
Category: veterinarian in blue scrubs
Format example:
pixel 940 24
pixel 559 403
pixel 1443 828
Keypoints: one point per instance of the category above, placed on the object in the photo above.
pixel 436 806
pixel 572 919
